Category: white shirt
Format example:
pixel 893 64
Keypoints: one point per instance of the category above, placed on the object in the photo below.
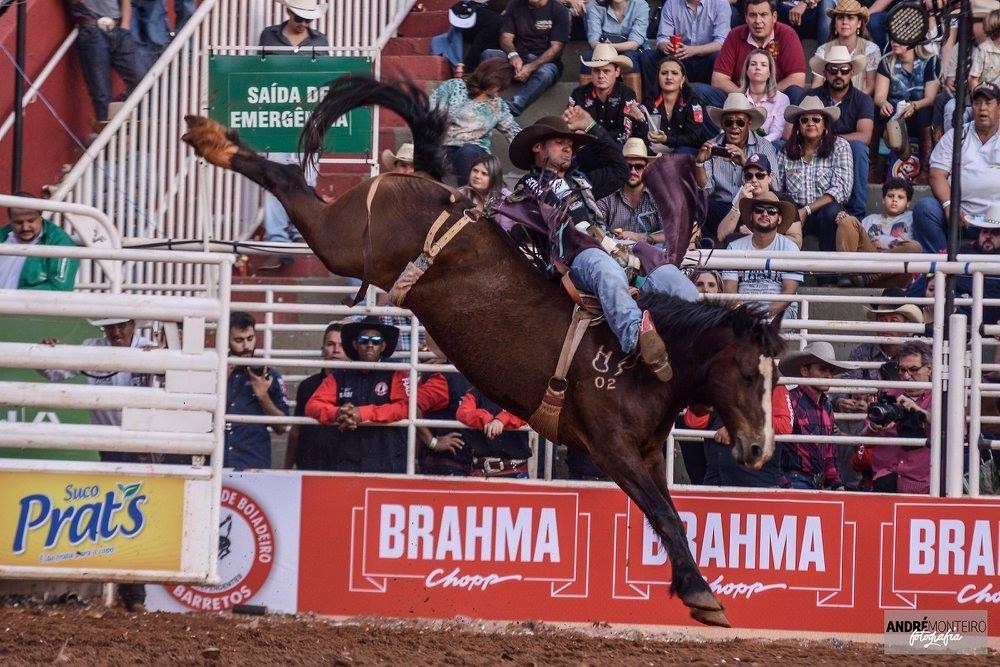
pixel 11 265
pixel 890 232
pixel 761 281
pixel 980 168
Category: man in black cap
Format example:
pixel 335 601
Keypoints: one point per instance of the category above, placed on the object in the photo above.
pixel 596 263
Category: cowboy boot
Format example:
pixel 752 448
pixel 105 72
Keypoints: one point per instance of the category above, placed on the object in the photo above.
pixel 652 349
pixel 926 147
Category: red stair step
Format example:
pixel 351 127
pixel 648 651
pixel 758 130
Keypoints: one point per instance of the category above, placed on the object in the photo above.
pixel 408 46
pixel 424 24
pixel 416 68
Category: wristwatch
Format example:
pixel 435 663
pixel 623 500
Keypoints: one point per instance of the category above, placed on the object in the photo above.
pixel 512 55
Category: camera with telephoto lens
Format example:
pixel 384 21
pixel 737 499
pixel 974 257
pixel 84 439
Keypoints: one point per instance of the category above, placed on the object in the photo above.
pixel 885 410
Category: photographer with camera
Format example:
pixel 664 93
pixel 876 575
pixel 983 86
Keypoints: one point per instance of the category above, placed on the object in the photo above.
pixel 903 413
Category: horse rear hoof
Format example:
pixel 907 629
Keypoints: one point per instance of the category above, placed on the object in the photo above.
pixel 716 618
pixel 703 600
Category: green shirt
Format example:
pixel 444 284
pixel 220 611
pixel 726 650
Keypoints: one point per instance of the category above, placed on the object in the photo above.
pixel 49 273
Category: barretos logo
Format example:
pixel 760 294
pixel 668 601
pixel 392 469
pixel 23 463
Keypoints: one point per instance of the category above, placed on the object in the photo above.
pixel 941 549
pixel 466 541
pixel 85 518
pixel 246 554
pixel 743 554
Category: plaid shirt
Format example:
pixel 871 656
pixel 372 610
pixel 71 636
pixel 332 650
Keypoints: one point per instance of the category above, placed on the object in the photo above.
pixel 812 414
pixel 618 212
pixel 805 182
pixel 725 177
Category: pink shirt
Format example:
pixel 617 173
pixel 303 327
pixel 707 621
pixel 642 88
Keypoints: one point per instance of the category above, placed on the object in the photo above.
pixel 774 124
pixel 912 467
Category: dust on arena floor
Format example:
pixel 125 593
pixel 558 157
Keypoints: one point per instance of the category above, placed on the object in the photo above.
pixel 85 633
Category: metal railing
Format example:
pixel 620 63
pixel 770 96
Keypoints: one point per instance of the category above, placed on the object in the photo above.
pixel 39 81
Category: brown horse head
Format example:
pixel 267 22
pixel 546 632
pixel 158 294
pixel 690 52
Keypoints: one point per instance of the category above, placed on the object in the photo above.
pixel 728 354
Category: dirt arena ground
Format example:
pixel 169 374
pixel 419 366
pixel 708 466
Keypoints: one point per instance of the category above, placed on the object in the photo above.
pixel 83 634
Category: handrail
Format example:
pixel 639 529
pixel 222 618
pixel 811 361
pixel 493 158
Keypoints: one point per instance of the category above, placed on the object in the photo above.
pixel 39 80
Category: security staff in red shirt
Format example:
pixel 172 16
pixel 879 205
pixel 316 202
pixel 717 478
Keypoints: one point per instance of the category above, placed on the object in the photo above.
pixel 497 448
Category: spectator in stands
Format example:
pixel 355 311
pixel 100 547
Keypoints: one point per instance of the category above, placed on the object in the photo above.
pixel 675 112
pixel 817 168
pixel 251 390
pixel 485 181
pixel 631 213
pixel 760 86
pixel 692 31
pixel 848 21
pixel 718 166
pixel 757 180
pixel 104 43
pixel 808 17
pixel 899 469
pixel 498 449
pixel 475 27
pixel 610 102
pixel 349 397
pixel 150 29
pixel 908 75
pixel 295 31
pixel 986 56
pixel 889 231
pixel 622 25
pixel 27 227
pixel 707 281
pixel 857 114
pixel 311 447
pixel 444 450
pixel 980 172
pixel 532 38
pixel 764 215
pixel 400 162
pixel 762 31
pixel 118 332
pixel 475 108
pixel 811 465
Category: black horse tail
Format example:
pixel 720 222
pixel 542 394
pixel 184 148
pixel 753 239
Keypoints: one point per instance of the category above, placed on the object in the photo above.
pixel 402 97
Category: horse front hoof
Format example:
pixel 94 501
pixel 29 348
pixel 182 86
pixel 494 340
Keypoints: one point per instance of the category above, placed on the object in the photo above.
pixel 703 600
pixel 209 140
pixel 715 618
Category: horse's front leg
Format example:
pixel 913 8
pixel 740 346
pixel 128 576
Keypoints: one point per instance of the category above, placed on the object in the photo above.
pixel 632 468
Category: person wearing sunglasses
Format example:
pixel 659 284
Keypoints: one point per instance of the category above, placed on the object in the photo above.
pixel 349 397
pixel 630 213
pixel 718 166
pixel 296 30
pixel 848 28
pixel 857 115
pixel 765 216
pixel 757 180
pixel 817 169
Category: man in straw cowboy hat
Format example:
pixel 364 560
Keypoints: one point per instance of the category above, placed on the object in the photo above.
pixel 811 465
pixel 847 21
pixel 718 166
pixel 857 115
pixel 765 215
pixel 546 150
pixel 532 37
pixel 293 32
pixel 609 101
pixel 630 213
pixel 400 162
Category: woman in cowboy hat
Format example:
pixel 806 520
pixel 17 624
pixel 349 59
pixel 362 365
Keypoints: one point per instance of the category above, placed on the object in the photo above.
pixel 817 169
pixel 296 31
pixel 400 162
pixel 849 29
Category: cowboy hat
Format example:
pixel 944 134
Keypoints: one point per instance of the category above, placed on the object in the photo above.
pixel 849 8
pixel 910 311
pixel 350 332
pixel 548 127
pixel 109 321
pixel 838 55
pixel 605 54
pixel 738 103
pixel 405 154
pixel 819 352
pixel 789 213
pixel 306 9
pixel 897 136
pixel 989 220
pixel 811 104
pixel 636 148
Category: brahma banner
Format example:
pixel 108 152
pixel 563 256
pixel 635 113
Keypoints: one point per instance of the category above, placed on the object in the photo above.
pixel 793 561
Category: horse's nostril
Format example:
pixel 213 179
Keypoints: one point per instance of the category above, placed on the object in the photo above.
pixel 756 452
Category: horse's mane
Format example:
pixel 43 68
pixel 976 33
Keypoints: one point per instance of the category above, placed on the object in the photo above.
pixel 684 324
pixel 402 97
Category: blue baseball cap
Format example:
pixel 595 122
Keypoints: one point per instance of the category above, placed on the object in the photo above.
pixel 759 161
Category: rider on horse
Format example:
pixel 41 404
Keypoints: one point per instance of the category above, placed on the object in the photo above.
pixel 581 243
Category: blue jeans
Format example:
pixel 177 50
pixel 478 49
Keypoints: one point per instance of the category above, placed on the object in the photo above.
pixel 815 17
pixel 857 203
pixel 930 225
pixel 150 29
pixel 823 225
pixel 595 271
pixel 100 52
pixel 449 45
pixel 461 160
pixel 277 226
pixel 877 29
pixel 183 10
pixel 541 80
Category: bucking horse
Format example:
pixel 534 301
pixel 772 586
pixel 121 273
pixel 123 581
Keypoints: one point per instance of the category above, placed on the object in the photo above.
pixel 503 323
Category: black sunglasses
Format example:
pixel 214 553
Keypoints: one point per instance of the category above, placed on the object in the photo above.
pixel 815 120
pixel 299 19
pixel 838 69
pixel 734 122
pixel 370 340
pixel 761 208
pixel 634 166
pixel 754 175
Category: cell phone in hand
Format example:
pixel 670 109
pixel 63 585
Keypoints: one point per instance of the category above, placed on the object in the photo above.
pixel 720 151
pixel 259 371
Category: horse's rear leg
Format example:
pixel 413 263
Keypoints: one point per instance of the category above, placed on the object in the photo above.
pixel 623 462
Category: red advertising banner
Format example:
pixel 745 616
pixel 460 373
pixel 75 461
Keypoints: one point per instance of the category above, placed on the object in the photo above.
pixel 416 547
